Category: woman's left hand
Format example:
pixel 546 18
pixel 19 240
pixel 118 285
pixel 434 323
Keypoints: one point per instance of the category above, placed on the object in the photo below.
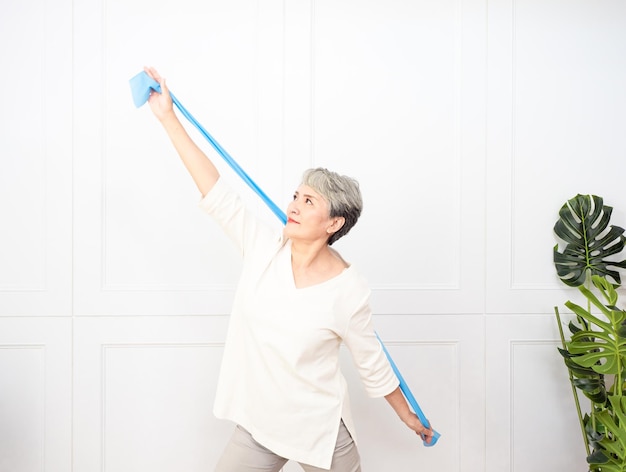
pixel 413 422
pixel 398 403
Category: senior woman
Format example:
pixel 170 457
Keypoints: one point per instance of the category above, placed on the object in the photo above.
pixel 297 300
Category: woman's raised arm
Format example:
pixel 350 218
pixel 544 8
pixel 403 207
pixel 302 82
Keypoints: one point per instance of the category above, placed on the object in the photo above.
pixel 199 166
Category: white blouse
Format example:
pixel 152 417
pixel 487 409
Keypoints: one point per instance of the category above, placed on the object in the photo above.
pixel 280 376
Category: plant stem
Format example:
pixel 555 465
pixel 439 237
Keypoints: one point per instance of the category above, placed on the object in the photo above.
pixel 617 391
pixel 588 285
pixel 571 381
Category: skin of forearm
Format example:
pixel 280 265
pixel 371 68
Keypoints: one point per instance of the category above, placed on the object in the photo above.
pixel 199 166
pixel 398 403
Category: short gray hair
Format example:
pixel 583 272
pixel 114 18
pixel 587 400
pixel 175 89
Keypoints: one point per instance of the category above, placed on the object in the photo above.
pixel 342 194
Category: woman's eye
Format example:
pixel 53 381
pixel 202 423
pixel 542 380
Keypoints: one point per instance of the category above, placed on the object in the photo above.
pixel 308 201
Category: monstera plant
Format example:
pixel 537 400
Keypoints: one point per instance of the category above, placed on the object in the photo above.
pixel 595 353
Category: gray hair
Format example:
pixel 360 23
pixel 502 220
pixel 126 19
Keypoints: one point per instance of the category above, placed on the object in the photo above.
pixel 342 194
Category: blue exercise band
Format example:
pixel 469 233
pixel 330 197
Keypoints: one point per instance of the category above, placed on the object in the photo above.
pixel 409 396
pixel 141 85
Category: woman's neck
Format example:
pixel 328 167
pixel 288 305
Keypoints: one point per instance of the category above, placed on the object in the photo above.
pixel 305 255
pixel 314 264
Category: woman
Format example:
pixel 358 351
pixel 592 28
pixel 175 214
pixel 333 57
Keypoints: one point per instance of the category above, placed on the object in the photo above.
pixel 296 302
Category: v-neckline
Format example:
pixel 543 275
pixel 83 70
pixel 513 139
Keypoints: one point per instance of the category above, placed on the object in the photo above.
pixel 292 278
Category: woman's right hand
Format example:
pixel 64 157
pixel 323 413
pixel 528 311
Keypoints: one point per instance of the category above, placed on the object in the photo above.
pixel 160 103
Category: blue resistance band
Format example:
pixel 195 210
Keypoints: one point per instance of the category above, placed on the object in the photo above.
pixel 141 85
pixel 409 396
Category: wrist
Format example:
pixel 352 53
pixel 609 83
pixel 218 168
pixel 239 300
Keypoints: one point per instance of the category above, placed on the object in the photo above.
pixel 406 416
pixel 168 117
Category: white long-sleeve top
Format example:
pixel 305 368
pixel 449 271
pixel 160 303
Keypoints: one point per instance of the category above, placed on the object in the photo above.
pixel 280 376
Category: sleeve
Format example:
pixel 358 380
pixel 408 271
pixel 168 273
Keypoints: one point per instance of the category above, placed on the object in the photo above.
pixel 240 225
pixel 367 353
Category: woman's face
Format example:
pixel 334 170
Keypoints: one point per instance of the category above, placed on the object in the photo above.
pixel 308 216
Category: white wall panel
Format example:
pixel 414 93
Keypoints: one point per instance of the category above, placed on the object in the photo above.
pixel 530 405
pixel 35 180
pixel 553 113
pixel 143 393
pixel 35 394
pixel 23 409
pixel 157 409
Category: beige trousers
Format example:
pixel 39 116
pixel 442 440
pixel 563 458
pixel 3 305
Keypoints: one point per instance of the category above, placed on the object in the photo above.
pixel 244 454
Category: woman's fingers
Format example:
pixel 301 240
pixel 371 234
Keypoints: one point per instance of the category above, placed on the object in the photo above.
pixel 426 435
pixel 152 72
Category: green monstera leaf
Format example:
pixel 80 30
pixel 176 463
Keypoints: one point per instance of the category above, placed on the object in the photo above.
pixel 590 382
pixel 602 345
pixel 587 380
pixel 610 452
pixel 583 226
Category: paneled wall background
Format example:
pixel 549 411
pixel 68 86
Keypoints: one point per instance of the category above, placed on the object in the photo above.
pixel 468 123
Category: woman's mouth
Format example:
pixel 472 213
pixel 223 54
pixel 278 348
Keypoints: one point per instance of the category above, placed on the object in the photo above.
pixel 292 221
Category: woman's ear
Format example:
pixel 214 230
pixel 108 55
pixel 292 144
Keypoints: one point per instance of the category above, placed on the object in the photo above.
pixel 336 224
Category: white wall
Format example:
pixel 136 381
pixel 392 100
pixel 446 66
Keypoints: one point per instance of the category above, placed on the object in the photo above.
pixel 467 123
